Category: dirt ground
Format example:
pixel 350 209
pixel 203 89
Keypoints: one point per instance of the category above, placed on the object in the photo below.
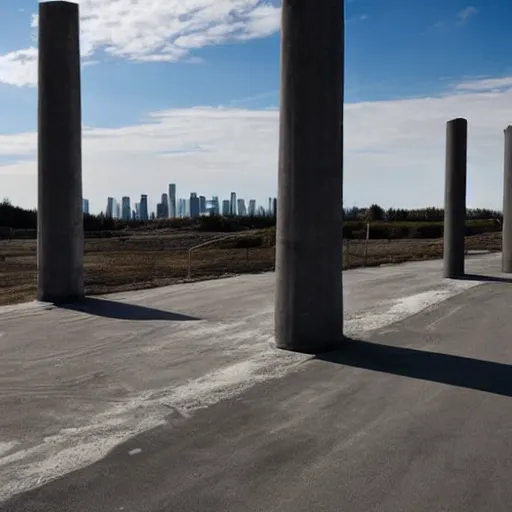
pixel 147 261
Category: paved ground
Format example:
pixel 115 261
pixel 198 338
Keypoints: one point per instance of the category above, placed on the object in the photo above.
pixel 412 416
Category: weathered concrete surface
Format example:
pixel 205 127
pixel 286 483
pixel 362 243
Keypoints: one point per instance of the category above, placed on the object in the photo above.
pixel 60 242
pixel 455 197
pixel 506 261
pixel 74 385
pixel 308 303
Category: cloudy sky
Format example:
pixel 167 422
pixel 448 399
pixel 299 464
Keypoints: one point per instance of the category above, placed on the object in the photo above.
pixel 186 91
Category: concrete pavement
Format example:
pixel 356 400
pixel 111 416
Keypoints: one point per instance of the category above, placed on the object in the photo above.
pixel 180 375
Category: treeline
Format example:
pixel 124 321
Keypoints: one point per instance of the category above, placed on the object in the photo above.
pixel 384 224
pixel 375 213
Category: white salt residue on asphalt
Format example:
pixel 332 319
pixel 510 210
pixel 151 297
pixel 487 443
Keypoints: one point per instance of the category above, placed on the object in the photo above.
pixel 73 448
pixel 7 446
pixel 403 308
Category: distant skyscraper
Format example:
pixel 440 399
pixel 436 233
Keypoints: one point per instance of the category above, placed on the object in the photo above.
pixel 144 207
pixel 274 206
pixel 85 206
pixel 117 210
pixel 214 206
pixel 182 207
pixel 194 205
pixel 165 203
pixel 202 205
pixel 269 211
pixel 137 210
pixel 252 207
pixel 109 212
pixel 161 211
pixel 125 208
pixel 172 201
pixel 226 207
pixel 241 207
pixel 232 204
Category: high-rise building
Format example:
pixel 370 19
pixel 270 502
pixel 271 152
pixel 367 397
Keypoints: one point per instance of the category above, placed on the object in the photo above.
pixel 165 205
pixel 144 207
pixel 252 207
pixel 172 201
pixel 202 205
pixel 85 206
pixel 241 207
pixel 109 212
pixel 226 207
pixel 125 208
pixel 161 211
pixel 274 206
pixel 137 210
pixel 214 206
pixel 117 209
pixel 232 204
pixel 180 208
pixel 269 211
pixel 194 205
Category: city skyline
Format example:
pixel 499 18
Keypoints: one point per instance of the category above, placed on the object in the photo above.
pixel 172 205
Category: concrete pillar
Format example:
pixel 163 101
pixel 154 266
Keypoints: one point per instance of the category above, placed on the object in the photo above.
pixel 308 301
pixel 506 255
pixel 60 237
pixel 455 197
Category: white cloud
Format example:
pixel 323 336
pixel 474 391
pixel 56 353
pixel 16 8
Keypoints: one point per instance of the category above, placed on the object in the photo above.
pixel 153 30
pixel 19 67
pixel 394 153
pixel 488 84
pixel 466 13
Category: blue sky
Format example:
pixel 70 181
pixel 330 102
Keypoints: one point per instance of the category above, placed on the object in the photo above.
pixel 395 50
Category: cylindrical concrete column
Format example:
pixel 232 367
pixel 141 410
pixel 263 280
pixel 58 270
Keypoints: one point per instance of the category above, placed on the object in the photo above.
pixel 506 255
pixel 308 301
pixel 60 237
pixel 455 197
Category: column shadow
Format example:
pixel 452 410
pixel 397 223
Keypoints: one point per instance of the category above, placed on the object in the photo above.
pixel 124 311
pixel 487 279
pixel 449 369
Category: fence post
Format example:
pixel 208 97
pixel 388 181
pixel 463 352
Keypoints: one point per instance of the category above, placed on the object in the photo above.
pixel 366 244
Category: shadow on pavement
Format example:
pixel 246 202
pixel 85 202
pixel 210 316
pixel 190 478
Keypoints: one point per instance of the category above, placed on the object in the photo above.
pixel 459 371
pixel 487 279
pixel 124 311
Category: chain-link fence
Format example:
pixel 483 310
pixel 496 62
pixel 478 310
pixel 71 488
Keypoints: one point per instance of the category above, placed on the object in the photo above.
pixel 131 262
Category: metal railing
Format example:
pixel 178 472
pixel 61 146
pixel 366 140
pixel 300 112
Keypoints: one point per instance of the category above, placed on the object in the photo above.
pixel 204 244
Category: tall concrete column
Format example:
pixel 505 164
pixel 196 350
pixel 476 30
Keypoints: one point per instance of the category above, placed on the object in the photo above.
pixel 506 255
pixel 455 197
pixel 60 237
pixel 308 301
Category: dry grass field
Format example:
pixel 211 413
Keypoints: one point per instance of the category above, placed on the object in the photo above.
pixel 151 260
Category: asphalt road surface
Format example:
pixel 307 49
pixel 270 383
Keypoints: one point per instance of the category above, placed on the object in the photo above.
pixel 174 400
